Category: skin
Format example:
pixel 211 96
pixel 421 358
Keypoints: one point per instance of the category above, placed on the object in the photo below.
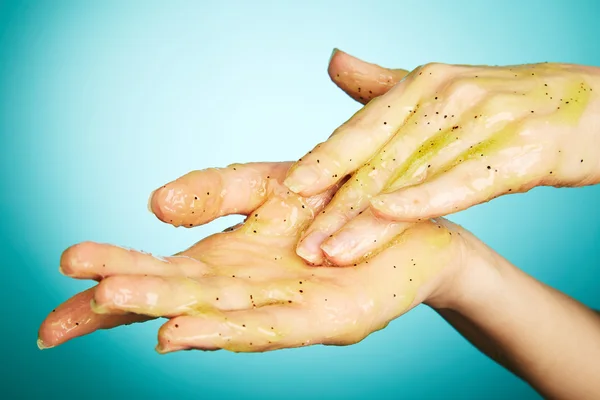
pixel 444 138
pixel 245 290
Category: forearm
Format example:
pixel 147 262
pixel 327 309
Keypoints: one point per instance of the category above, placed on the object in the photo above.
pixel 540 334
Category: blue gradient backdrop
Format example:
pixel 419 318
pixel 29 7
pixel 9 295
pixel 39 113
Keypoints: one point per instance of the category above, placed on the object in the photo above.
pixel 101 102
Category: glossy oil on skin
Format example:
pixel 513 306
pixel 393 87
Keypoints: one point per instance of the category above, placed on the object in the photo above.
pixel 100 103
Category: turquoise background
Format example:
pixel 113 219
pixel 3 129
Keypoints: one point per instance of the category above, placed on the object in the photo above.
pixel 101 102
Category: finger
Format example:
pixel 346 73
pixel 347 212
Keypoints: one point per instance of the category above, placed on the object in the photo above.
pixel 168 297
pixel 354 197
pixel 352 144
pixel 433 143
pixel 202 196
pixel 361 80
pixel 91 260
pixel 349 201
pixel 464 134
pixel 467 184
pixel 74 318
pixel 262 329
pixel 286 214
pixel 361 238
pixel 440 132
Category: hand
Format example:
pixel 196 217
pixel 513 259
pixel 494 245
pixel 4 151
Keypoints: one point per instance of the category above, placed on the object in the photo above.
pixel 448 137
pixel 246 289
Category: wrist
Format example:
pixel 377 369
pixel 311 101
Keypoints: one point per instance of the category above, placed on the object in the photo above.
pixel 476 275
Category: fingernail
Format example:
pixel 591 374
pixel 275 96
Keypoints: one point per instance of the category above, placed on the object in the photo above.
pixel 150 201
pixel 393 207
pixel 381 207
pixel 42 346
pixel 97 308
pixel 335 50
pixel 310 247
pixel 160 349
pixel 302 178
pixel 331 248
pixel 157 203
pixel 61 270
pixel 339 246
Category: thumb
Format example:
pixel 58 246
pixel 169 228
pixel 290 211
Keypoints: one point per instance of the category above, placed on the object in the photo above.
pixel 361 80
pixel 202 196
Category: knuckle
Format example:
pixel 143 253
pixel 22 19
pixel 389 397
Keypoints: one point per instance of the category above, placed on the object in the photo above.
pixel 462 86
pixel 435 69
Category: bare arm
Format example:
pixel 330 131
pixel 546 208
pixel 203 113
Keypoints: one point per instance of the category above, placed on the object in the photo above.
pixel 246 289
pixel 540 334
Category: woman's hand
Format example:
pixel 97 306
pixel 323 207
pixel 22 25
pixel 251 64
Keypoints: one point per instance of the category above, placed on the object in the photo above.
pixel 448 137
pixel 246 289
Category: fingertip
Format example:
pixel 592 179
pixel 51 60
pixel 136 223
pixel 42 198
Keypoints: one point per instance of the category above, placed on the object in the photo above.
pixel 161 349
pixel 304 180
pixel 164 345
pixel 342 63
pixel 332 250
pixel 154 205
pixel 102 297
pixel 97 308
pixel 309 248
pixel 400 208
pixel 150 198
pixel 111 294
pixel 333 53
pixel 360 79
pixel 336 65
pixel 170 203
pixel 169 337
pixel 67 321
pixel 389 206
pixel 76 259
pixel 74 318
pixel 41 345
pixel 67 259
pixel 47 338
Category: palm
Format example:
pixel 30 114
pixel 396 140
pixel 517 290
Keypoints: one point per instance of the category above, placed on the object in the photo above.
pixel 246 289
